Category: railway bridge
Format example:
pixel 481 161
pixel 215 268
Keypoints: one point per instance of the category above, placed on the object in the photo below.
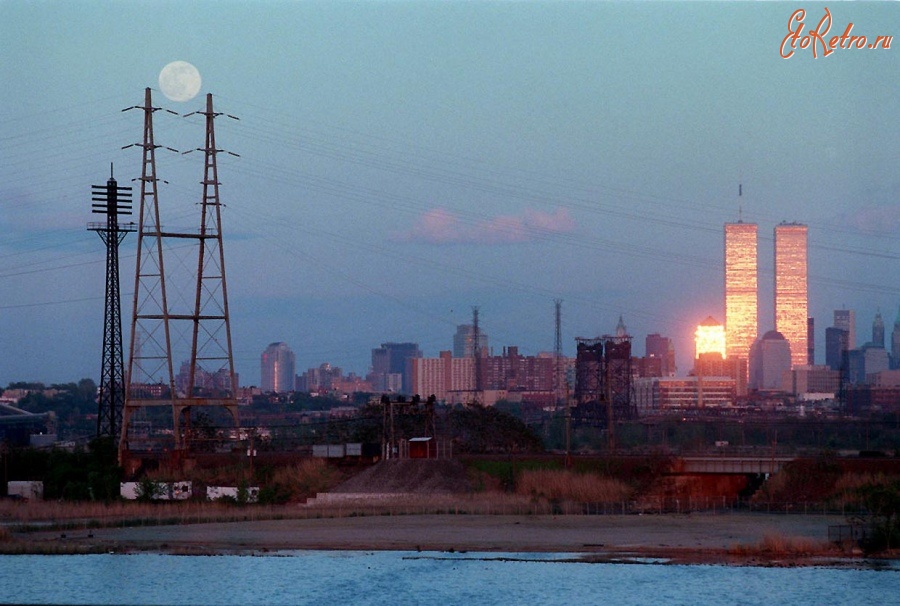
pixel 730 465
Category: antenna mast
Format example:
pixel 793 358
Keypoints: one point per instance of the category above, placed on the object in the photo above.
pixel 112 201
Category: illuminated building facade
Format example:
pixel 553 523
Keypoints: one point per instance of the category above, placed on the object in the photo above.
pixel 277 369
pixel 791 293
pixel 741 288
pixel 709 338
pixel 714 365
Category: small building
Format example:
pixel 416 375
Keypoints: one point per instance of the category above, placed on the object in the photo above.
pixel 422 448
pixel 30 491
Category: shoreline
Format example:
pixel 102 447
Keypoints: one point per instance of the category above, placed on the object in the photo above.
pixel 735 539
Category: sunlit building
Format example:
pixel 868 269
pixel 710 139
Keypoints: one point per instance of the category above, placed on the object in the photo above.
pixel 709 338
pixel 277 369
pixel 791 292
pixel 714 365
pixel 741 289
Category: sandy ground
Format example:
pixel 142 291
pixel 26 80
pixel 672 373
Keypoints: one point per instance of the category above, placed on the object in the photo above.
pixel 663 535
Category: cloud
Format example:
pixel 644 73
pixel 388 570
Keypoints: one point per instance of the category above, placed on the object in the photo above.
pixel 440 226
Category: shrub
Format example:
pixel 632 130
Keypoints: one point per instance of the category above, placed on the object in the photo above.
pixel 299 481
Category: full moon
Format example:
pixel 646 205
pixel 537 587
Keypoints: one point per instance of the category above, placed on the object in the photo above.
pixel 179 81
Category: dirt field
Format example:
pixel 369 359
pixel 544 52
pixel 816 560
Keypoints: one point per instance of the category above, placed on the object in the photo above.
pixel 683 537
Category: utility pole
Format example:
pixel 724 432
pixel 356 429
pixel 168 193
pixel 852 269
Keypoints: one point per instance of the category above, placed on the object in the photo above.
pixel 112 201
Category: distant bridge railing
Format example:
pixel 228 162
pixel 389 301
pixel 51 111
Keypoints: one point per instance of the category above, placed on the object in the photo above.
pixel 731 465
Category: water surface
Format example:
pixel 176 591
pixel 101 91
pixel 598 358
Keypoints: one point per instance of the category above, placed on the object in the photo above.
pixel 356 577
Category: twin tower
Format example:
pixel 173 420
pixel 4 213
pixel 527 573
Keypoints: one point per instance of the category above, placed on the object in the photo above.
pixel 742 292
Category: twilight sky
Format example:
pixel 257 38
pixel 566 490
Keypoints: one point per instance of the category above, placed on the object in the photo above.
pixel 401 162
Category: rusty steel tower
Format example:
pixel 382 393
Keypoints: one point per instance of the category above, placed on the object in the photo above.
pixel 603 385
pixel 111 200
pixel 203 321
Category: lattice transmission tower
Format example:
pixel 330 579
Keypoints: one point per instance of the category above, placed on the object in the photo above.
pixel 204 320
pixel 111 200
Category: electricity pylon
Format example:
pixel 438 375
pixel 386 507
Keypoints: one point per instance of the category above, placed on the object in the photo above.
pixel 112 201
pixel 211 379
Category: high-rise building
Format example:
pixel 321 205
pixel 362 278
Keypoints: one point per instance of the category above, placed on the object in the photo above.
pixel 845 319
pixel 661 348
pixel 394 359
pixel 277 368
pixel 895 343
pixel 878 330
pixel 791 290
pixel 836 340
pixel 811 341
pixel 741 289
pixel 770 363
pixel 714 365
pixel 709 338
pixel 464 341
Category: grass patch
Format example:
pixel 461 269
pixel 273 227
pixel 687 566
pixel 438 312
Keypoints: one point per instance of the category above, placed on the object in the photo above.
pixel 564 485
pixel 778 545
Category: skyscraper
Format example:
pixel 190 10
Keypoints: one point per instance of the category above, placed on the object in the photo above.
pixel 836 340
pixel 662 348
pixel 791 294
pixel 464 341
pixel 770 363
pixel 895 343
pixel 394 359
pixel 277 368
pixel 741 298
pixel 878 330
pixel 845 319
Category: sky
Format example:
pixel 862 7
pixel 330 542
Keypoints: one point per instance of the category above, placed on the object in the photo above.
pixel 402 162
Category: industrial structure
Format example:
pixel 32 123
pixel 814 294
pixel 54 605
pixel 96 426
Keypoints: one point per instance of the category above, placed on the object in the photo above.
pixel 111 200
pixel 603 381
pixel 204 318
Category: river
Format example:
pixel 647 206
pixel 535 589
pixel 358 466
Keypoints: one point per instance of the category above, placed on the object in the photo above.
pixel 390 577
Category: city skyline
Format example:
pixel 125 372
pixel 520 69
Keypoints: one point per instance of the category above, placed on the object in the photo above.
pixel 403 162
